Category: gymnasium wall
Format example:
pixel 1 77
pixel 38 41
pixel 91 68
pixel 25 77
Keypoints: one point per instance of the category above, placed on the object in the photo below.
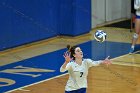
pixel 109 10
pixel 117 9
pixel 75 17
pixel 26 21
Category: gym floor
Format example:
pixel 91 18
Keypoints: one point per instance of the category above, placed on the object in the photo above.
pixel 34 68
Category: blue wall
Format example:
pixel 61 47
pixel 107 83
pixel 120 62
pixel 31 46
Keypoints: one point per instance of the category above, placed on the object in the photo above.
pixel 25 21
pixel 75 17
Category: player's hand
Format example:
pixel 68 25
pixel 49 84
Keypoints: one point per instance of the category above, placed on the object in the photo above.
pixel 67 56
pixel 107 61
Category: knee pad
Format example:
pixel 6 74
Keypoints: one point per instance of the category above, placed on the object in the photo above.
pixel 135 35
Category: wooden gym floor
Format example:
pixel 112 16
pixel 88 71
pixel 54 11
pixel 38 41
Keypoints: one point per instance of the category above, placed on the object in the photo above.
pixel 120 77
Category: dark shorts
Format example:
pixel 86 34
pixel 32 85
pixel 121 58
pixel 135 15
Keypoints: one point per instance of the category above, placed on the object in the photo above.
pixel 137 17
pixel 82 90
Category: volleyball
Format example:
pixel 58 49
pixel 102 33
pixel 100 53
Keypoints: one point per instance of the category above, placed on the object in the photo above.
pixel 100 36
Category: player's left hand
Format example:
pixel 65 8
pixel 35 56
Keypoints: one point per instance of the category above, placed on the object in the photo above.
pixel 107 61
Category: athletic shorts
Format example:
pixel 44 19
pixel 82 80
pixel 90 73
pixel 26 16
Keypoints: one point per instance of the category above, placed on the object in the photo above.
pixel 81 90
pixel 137 17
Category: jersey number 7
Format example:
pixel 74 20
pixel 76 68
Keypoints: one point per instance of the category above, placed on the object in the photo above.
pixel 81 74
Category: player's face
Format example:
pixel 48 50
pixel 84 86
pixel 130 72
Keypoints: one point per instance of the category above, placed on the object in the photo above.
pixel 78 53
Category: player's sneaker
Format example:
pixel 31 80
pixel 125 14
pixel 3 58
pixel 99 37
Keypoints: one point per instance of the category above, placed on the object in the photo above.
pixel 131 50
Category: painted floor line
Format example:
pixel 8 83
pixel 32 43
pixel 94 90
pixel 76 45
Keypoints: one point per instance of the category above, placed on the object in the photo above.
pixel 21 88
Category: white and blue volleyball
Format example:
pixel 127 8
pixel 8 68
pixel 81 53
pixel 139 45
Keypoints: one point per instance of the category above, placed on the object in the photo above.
pixel 100 36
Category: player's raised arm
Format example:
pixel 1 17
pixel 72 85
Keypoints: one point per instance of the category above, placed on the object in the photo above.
pixel 65 65
pixel 96 63
pixel 93 63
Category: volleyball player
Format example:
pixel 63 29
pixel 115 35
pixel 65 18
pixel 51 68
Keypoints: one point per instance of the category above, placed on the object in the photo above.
pixel 137 25
pixel 133 16
pixel 77 68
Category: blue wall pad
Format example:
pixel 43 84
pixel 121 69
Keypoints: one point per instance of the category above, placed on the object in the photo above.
pixel 25 21
pixel 75 17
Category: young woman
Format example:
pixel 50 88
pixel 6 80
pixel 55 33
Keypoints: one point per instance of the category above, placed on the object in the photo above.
pixel 78 69
pixel 137 25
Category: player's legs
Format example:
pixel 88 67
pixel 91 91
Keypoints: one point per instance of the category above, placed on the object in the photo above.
pixel 132 21
pixel 136 34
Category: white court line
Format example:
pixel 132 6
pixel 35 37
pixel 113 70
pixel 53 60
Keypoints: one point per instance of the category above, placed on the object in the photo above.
pixel 125 64
pixel 125 55
pixel 21 88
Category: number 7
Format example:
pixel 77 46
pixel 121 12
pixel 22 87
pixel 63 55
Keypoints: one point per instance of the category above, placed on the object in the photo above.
pixel 81 74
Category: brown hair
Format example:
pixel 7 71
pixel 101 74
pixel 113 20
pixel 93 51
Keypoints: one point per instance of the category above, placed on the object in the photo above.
pixel 71 49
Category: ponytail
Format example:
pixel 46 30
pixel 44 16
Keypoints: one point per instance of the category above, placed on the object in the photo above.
pixel 71 49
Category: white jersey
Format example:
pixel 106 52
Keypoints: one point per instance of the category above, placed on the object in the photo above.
pixel 78 73
pixel 137 7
